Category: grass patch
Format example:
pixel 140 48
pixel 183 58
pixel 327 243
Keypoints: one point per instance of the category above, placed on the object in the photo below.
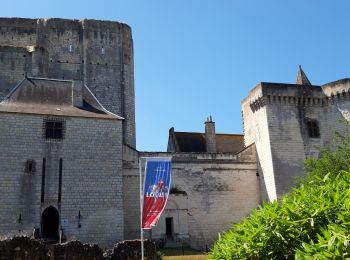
pixel 178 252
pixel 187 257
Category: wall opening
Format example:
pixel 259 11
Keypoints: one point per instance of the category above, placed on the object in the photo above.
pixel 43 181
pixel 313 129
pixel 53 129
pixel 30 166
pixel 60 180
pixel 169 227
pixel 49 224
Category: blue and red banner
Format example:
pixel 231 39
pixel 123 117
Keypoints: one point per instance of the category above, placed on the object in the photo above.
pixel 156 190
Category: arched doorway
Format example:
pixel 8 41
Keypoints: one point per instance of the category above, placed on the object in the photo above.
pixel 49 223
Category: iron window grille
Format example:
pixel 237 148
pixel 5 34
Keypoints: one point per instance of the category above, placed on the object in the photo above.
pixel 54 129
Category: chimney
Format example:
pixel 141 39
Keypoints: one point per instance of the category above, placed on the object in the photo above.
pixel 210 136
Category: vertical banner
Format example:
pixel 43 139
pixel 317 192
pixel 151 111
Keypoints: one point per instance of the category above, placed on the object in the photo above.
pixel 156 190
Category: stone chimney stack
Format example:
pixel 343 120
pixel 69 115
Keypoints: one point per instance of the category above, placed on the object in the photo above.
pixel 210 136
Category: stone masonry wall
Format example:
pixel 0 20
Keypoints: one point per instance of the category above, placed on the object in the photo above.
pixel 221 189
pixel 91 177
pixel 283 110
pixel 100 53
pixel 177 209
pixel 287 145
pixel 25 248
pixel 256 130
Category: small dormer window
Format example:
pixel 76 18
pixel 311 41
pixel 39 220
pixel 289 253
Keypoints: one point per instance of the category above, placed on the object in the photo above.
pixel 54 129
pixel 313 129
pixel 30 166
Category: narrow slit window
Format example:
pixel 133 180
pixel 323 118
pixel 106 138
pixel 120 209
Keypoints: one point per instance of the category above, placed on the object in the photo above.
pixel 43 181
pixel 70 48
pixel 60 180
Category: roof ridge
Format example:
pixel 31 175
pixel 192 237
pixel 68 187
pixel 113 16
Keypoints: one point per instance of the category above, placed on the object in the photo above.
pixel 50 79
pixel 204 133
pixel 229 134
pixel 188 132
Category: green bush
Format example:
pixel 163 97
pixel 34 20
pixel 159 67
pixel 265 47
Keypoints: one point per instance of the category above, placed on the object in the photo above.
pixel 312 222
pixel 159 255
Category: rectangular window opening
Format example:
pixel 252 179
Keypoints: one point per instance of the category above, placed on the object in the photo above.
pixel 54 129
pixel 169 227
pixel 313 129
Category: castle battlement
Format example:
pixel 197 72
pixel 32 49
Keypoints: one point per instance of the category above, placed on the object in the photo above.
pixel 58 23
pixel 287 122
pixel 299 95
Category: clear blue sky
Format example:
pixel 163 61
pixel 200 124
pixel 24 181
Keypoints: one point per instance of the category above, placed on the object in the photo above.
pixel 195 58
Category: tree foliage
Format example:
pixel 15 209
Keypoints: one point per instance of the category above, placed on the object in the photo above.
pixel 312 222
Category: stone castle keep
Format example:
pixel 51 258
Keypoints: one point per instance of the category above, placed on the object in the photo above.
pixel 69 168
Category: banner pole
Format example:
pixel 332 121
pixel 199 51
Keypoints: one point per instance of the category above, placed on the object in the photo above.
pixel 141 209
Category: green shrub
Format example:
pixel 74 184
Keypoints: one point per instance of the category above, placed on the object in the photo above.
pixel 312 222
pixel 159 255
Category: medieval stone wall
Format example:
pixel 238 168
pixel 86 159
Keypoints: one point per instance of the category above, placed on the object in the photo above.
pixel 25 248
pixel 275 118
pixel 91 177
pixel 220 188
pixel 256 130
pixel 100 53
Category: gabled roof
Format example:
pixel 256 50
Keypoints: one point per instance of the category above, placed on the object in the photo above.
pixel 53 97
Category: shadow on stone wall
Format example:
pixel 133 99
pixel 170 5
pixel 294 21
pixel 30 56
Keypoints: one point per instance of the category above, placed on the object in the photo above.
pixel 25 248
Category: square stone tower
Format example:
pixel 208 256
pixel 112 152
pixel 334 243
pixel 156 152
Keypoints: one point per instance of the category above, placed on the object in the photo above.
pixel 99 53
pixel 288 121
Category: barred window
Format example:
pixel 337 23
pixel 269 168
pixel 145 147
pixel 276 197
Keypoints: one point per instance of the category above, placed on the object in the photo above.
pixel 313 129
pixel 54 129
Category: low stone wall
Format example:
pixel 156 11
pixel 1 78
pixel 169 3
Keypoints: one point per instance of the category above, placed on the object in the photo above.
pixel 25 248
pixel 75 250
pixel 22 248
pixel 131 250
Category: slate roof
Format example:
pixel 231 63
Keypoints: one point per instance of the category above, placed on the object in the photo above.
pixel 190 142
pixel 52 97
pixel 229 143
pixel 195 142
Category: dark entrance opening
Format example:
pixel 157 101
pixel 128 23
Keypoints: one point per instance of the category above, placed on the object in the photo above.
pixel 49 223
pixel 169 227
